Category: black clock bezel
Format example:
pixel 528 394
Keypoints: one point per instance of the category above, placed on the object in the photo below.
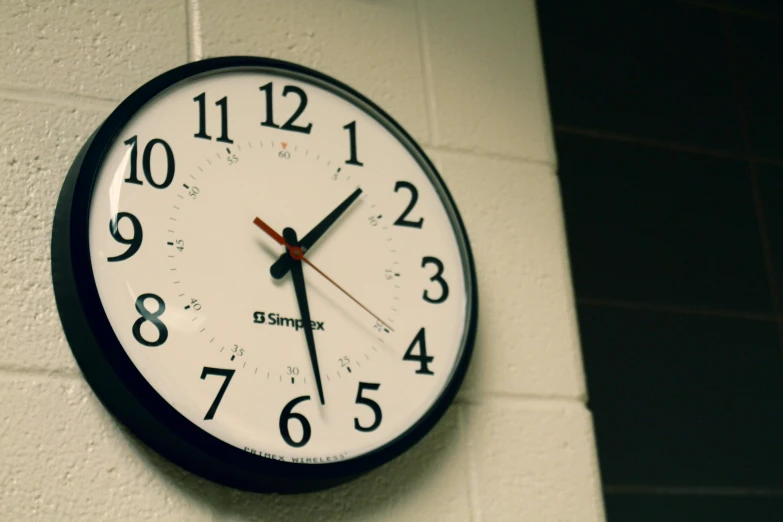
pixel 118 383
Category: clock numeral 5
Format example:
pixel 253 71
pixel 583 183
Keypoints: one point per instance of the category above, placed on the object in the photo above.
pixel 201 99
pixel 422 358
pixel 368 402
pixel 227 375
pixel 289 125
pixel 134 241
pixel 146 161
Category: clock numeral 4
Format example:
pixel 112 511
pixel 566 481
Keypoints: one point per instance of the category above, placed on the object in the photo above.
pixel 288 414
pixel 401 221
pixel 227 375
pixel 289 125
pixel 201 99
pixel 444 287
pixel 422 358
pixel 371 404
pixel 134 242
pixel 153 318
pixel 146 161
pixel 351 128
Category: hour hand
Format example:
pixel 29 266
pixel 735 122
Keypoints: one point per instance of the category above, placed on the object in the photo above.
pixel 283 264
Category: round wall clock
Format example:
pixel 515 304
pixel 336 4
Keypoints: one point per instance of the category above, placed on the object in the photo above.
pixel 263 276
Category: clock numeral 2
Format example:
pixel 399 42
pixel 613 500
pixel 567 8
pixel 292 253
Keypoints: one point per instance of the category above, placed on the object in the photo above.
pixel 289 125
pixel 422 358
pixel 351 128
pixel 401 221
pixel 202 118
pixel 368 402
pixel 444 287
pixel 286 415
pixel 227 375
pixel 146 160
pixel 152 317
pixel 134 241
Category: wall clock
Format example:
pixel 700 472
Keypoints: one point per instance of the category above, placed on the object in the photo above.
pixel 263 276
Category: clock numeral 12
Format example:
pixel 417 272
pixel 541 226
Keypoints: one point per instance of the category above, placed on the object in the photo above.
pixel 146 161
pixel 289 125
pixel 201 99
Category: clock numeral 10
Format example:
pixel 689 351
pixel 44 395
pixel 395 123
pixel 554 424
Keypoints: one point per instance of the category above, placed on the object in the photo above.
pixel 146 161
pixel 202 118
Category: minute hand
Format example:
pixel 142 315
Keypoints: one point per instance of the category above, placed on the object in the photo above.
pixel 283 264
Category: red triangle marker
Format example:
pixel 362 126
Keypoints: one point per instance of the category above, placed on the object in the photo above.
pixel 284 144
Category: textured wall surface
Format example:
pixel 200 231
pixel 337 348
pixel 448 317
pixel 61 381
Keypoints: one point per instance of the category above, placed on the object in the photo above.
pixel 466 79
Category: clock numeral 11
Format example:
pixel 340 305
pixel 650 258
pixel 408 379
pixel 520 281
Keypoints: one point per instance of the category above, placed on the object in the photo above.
pixel 202 118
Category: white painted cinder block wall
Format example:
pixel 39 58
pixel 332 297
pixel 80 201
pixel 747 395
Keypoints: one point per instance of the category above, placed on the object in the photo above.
pixel 466 79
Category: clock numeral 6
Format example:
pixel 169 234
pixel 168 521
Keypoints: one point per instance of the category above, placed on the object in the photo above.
pixel 227 375
pixel 368 402
pixel 288 414
pixel 444 287
pixel 422 358
pixel 134 241
pixel 152 317
pixel 146 161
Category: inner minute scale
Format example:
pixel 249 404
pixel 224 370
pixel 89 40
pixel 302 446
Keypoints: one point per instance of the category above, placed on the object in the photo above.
pixel 262 332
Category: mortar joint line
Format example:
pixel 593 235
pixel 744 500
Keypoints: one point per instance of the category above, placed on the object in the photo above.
pixel 430 104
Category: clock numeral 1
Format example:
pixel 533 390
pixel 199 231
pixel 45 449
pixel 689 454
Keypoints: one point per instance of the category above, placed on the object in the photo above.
pixel 289 125
pixel 401 221
pixel 227 375
pixel 444 287
pixel 146 161
pixel 368 402
pixel 351 127
pixel 422 358
pixel 134 241
pixel 202 118
pixel 152 317
pixel 286 415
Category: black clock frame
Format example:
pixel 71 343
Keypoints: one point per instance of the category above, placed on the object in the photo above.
pixel 118 383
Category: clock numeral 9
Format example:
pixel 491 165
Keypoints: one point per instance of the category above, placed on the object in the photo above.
pixel 289 125
pixel 401 221
pixel 134 241
pixel 146 161
pixel 422 358
pixel 444 287
pixel 286 415
pixel 201 99
pixel 152 317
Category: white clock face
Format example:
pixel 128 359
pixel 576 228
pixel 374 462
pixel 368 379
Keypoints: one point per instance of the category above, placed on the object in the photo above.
pixel 183 236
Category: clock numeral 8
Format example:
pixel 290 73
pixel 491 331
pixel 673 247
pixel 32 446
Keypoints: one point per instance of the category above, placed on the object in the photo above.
pixel 152 317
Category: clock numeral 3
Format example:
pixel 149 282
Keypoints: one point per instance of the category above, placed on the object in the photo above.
pixel 444 287
pixel 351 127
pixel 201 99
pixel 134 241
pixel 286 415
pixel 368 402
pixel 227 375
pixel 422 358
pixel 289 125
pixel 152 317
pixel 146 161
pixel 401 221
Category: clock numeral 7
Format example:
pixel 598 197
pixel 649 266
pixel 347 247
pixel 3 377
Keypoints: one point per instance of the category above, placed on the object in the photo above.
pixel 289 125
pixel 227 375
pixel 201 99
